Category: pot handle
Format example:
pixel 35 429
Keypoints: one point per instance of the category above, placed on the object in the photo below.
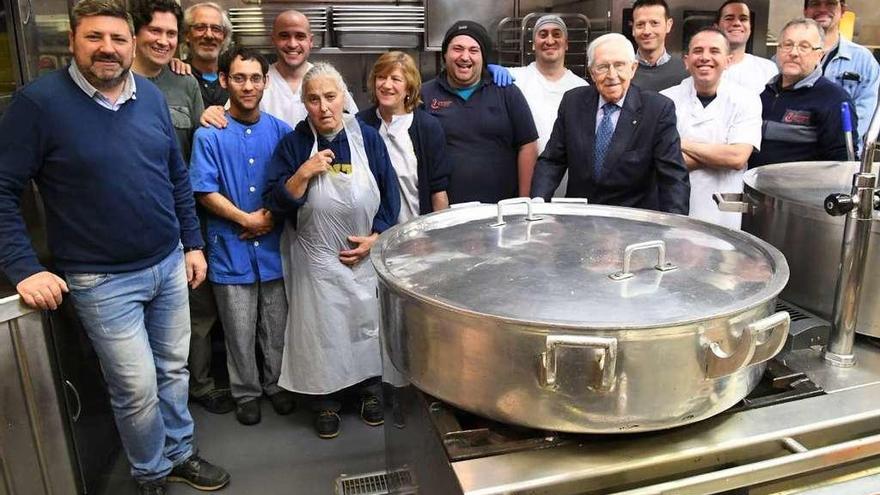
pixel 530 217
pixel 731 202
pixel 772 332
pixel 607 361
pixel 574 201
pixel 662 265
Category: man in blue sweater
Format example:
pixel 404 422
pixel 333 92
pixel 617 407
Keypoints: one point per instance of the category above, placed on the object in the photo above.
pixel 122 230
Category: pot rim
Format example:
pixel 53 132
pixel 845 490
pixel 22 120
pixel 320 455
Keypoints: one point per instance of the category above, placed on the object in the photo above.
pixel 774 286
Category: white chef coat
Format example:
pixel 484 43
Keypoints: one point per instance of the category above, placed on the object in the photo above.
pixel 281 102
pixel 403 159
pixel 752 73
pixel 543 97
pixel 733 117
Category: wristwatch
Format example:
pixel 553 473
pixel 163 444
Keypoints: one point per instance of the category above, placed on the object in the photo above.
pixel 193 248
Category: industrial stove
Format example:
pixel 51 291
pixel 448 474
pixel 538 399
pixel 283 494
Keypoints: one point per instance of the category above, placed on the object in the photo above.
pixel 807 427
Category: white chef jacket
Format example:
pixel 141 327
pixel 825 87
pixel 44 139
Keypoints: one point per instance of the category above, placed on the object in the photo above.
pixel 752 73
pixel 403 159
pixel 734 117
pixel 543 97
pixel 281 102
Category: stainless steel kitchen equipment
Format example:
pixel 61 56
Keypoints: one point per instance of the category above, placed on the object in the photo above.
pixel 579 318
pixel 784 205
pixel 252 26
pixel 516 48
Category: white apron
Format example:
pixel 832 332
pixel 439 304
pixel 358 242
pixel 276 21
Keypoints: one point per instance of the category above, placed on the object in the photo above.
pixel 332 335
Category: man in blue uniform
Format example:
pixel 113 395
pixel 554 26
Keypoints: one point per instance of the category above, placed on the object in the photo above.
pixel 801 109
pixel 123 232
pixel 228 177
pixel 490 134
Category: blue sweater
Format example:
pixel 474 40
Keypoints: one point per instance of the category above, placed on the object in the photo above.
pixel 114 185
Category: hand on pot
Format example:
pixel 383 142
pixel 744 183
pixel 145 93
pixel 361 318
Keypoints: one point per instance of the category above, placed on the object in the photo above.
pixel 352 257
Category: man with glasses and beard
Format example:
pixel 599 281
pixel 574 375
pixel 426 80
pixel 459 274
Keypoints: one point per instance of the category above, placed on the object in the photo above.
pixel 228 177
pixel 801 108
pixel 122 230
pixel 208 33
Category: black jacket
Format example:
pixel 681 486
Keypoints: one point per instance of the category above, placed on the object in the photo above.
pixel 429 144
pixel 643 168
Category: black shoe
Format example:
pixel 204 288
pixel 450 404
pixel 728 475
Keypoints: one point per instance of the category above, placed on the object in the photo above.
pixel 199 474
pixel 217 401
pixel 327 424
pixel 371 411
pixel 248 412
pixel 283 402
pixel 155 487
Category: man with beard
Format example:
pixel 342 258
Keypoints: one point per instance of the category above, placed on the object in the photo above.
pixel 734 19
pixel 208 33
pixel 719 123
pixel 849 64
pixel 658 69
pixel 490 134
pixel 228 176
pixel 292 36
pixel 157 24
pixel 122 230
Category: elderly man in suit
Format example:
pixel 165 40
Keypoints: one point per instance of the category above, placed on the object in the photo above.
pixel 618 143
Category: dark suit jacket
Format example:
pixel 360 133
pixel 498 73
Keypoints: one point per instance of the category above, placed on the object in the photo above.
pixel 643 168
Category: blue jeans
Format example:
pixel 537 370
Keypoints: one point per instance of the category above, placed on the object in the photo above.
pixel 139 325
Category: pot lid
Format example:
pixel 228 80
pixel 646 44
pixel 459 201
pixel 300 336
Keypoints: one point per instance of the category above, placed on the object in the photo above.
pixel 566 267
pixel 806 183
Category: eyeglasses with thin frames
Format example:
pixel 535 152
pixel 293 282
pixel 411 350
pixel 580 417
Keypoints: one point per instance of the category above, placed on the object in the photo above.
pixel 619 67
pixel 802 48
pixel 203 28
pixel 255 79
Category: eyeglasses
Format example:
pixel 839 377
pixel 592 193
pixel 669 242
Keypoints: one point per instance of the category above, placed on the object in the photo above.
pixel 619 67
pixel 255 79
pixel 802 48
pixel 819 3
pixel 202 28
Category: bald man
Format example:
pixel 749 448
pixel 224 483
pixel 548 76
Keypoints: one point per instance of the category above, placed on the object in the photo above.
pixel 292 37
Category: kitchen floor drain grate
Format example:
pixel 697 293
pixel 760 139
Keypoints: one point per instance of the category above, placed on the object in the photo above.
pixel 376 483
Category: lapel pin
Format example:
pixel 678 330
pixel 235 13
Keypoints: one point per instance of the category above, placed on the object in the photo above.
pixel 635 122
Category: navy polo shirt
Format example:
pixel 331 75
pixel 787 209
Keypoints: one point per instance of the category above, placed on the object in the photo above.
pixel 233 162
pixel 483 137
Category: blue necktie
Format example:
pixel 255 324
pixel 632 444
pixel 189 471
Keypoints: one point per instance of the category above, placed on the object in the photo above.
pixel 603 137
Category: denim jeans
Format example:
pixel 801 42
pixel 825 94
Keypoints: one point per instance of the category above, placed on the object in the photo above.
pixel 139 325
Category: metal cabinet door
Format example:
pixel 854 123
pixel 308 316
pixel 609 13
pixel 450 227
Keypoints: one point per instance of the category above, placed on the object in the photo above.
pixel 440 14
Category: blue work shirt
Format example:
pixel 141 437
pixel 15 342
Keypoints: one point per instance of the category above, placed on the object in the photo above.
pixel 854 58
pixel 233 162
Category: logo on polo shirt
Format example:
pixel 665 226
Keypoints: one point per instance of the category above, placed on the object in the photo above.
pixel 438 104
pixel 798 117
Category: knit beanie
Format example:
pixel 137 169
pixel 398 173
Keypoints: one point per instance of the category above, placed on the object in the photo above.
pixel 475 31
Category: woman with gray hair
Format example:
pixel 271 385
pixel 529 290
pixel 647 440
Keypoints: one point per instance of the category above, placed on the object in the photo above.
pixel 333 181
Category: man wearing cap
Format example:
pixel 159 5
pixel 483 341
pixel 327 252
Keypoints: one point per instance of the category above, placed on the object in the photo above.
pixel 490 134
pixel 734 18
pixel 544 81
pixel 849 64
pixel 618 143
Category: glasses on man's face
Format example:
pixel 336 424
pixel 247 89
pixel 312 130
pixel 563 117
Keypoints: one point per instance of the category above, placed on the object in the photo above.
pixel 255 79
pixel 802 48
pixel 203 28
pixel 619 67
pixel 819 3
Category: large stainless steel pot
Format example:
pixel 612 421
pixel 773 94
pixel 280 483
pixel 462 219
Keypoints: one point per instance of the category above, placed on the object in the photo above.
pixel 784 205
pixel 579 318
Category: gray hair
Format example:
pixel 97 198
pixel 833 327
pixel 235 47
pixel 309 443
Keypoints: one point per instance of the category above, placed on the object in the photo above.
pixel 804 21
pixel 610 38
pixel 324 69
pixel 189 13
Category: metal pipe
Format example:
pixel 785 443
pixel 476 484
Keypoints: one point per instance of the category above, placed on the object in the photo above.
pixel 854 255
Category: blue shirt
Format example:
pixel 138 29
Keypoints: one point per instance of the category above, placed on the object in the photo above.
pixel 483 136
pixel 855 58
pixel 233 162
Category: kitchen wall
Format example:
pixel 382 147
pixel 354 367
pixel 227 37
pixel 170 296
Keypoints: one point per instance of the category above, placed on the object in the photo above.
pixel 867 31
